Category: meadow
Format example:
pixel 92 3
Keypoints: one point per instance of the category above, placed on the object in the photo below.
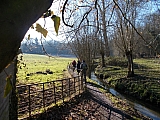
pixel 33 68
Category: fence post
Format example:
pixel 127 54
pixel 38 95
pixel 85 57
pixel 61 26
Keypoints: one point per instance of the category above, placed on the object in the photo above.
pixel 54 92
pixel 74 85
pixel 69 88
pixel 79 82
pixel 81 79
pixel 43 97
pixel 62 92
pixel 29 99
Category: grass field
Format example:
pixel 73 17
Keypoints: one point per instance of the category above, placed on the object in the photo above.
pixel 33 68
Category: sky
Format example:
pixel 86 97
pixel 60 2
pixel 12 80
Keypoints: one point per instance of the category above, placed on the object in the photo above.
pixel 50 24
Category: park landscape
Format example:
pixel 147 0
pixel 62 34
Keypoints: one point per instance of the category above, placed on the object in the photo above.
pixel 147 74
pixel 118 39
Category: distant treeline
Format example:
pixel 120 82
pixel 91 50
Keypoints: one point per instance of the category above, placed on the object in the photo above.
pixel 52 47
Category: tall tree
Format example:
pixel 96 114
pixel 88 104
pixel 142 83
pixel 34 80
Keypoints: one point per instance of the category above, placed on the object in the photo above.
pixel 102 6
pixel 126 33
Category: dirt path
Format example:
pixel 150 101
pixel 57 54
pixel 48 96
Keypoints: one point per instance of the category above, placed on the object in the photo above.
pixel 91 105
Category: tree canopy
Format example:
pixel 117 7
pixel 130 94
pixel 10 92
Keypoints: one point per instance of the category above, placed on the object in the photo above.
pixel 18 15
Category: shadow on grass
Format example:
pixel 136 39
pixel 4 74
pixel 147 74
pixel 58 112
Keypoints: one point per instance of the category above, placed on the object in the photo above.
pixel 138 66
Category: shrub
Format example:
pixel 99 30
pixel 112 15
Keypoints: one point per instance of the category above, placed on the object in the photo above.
pixel 117 61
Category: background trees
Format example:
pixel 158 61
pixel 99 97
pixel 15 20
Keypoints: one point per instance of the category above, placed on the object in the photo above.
pixel 118 27
pixel 98 15
pixel 50 47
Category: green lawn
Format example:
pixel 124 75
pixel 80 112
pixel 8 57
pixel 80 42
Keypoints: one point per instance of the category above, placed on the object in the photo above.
pixel 31 64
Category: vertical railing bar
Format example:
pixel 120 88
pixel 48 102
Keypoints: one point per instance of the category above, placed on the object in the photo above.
pixel 62 92
pixel 69 88
pixel 82 86
pixel 79 85
pixel 43 97
pixel 29 97
pixel 74 86
pixel 54 92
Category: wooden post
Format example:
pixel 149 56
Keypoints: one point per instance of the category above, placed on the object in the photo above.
pixel 54 92
pixel 69 88
pixel 29 99
pixel 43 97
pixel 79 85
pixel 62 92
pixel 74 86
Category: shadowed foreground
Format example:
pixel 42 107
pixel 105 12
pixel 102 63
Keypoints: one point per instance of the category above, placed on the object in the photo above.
pixel 90 105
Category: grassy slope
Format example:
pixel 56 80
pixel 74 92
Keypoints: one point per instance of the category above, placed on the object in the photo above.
pixel 145 85
pixel 32 63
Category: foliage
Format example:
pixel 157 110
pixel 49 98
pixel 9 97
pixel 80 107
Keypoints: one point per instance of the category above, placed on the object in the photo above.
pixel 116 61
pixel 41 30
pixel 30 65
pixel 56 20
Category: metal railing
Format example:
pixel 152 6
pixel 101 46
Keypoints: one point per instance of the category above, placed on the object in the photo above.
pixel 36 98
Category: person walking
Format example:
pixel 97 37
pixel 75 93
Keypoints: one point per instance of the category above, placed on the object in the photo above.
pixel 78 67
pixel 84 68
pixel 74 65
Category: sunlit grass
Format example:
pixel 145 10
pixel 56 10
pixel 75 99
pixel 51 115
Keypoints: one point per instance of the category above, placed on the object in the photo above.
pixel 148 67
pixel 149 63
pixel 31 63
pixel 144 85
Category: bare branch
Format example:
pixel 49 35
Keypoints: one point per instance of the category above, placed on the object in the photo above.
pixel 63 14
pixel 128 20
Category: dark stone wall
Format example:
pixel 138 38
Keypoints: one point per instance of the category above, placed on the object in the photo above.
pixel 4 101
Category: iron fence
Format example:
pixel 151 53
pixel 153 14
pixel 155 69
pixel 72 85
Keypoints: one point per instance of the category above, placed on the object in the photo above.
pixel 36 98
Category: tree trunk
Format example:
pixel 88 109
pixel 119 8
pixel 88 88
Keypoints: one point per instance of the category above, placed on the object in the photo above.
pixel 105 37
pixel 89 72
pixel 130 64
pixel 102 57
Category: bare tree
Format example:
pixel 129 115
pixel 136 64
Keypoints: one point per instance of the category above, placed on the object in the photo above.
pixel 151 32
pixel 126 33
pixel 104 7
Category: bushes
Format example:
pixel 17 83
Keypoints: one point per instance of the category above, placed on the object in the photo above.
pixel 117 61
pixel 138 90
pixel 144 85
